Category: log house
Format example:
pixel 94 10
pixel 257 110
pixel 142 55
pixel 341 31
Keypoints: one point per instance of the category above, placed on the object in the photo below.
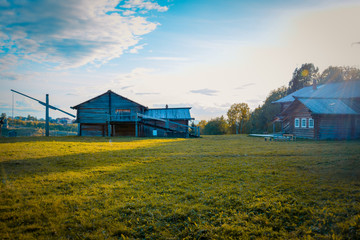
pixel 328 111
pixel 111 114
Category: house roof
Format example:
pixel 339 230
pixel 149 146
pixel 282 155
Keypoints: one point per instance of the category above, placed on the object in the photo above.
pixel 338 90
pixel 327 106
pixel 170 113
pixel 108 92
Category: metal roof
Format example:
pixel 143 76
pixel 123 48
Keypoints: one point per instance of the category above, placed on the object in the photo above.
pixel 338 90
pixel 170 113
pixel 327 106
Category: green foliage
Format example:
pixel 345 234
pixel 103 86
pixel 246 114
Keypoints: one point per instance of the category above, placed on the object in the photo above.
pixel 303 77
pixel 238 115
pixel 2 118
pixel 338 74
pixel 215 187
pixel 216 126
pixel 261 118
pixel 41 124
pixel 202 125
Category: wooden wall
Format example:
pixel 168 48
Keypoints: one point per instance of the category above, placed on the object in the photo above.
pixel 300 111
pixel 98 109
pixel 93 130
pixel 338 127
pixel 94 111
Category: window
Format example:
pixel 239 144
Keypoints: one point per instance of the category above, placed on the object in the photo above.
pixel 303 122
pixel 122 111
pixel 297 122
pixel 311 123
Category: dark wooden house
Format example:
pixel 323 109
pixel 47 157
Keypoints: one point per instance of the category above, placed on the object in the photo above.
pixel 328 111
pixel 111 114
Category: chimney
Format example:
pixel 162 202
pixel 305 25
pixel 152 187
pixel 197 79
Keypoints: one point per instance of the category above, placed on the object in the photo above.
pixel 314 87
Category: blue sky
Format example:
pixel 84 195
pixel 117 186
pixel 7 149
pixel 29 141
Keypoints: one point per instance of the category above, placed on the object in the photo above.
pixel 205 54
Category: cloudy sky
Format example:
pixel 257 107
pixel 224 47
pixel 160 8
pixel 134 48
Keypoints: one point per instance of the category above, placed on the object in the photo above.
pixel 205 54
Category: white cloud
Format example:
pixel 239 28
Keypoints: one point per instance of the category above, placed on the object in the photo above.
pixel 7 60
pixel 245 86
pixel 137 48
pixel 146 5
pixel 71 33
pixel 201 112
pixel 136 74
pixel 10 76
pixel 128 12
pixel 168 58
pixel 205 91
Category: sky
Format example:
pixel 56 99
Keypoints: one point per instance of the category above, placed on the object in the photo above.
pixel 203 54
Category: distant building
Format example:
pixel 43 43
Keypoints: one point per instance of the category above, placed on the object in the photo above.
pixel 111 114
pixel 327 111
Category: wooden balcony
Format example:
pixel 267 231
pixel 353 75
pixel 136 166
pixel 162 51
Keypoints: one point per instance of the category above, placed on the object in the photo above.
pixel 159 123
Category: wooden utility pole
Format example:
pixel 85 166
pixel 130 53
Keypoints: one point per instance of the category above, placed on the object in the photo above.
pixel 47 118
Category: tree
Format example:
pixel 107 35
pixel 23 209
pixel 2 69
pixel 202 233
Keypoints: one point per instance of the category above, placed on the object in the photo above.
pixel 216 126
pixel 2 121
pixel 303 77
pixel 338 74
pixel 202 125
pixel 257 120
pixel 237 115
pixel 262 116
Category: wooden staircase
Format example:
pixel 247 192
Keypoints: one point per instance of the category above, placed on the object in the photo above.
pixel 158 123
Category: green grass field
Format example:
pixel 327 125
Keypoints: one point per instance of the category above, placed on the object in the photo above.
pixel 215 187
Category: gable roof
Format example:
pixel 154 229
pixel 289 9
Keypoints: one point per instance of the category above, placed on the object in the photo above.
pixel 108 92
pixel 337 90
pixel 170 113
pixel 327 106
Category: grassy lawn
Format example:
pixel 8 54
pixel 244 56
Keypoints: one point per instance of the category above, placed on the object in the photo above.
pixel 215 187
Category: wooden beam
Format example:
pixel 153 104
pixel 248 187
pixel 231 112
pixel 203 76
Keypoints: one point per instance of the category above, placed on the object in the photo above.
pixel 136 128
pixel 47 118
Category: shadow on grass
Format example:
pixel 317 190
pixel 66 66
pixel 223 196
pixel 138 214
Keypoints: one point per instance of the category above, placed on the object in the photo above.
pixel 69 139
pixel 82 161
pixel 155 190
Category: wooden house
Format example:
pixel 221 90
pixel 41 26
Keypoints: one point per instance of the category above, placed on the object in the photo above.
pixel 111 114
pixel 328 111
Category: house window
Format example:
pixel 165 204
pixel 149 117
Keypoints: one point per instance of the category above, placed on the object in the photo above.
pixel 303 122
pixel 297 122
pixel 122 111
pixel 311 123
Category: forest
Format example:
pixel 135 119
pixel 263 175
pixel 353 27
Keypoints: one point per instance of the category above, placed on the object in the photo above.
pixel 240 119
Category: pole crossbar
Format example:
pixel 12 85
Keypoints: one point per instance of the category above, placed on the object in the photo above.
pixel 47 107
pixel 43 103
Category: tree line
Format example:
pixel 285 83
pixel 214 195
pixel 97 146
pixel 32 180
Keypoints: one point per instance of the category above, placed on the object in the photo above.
pixel 32 122
pixel 241 120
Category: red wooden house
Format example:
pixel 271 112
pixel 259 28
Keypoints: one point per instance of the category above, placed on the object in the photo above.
pixel 111 114
pixel 328 111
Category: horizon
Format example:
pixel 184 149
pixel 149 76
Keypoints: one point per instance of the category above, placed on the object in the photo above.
pixel 177 53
